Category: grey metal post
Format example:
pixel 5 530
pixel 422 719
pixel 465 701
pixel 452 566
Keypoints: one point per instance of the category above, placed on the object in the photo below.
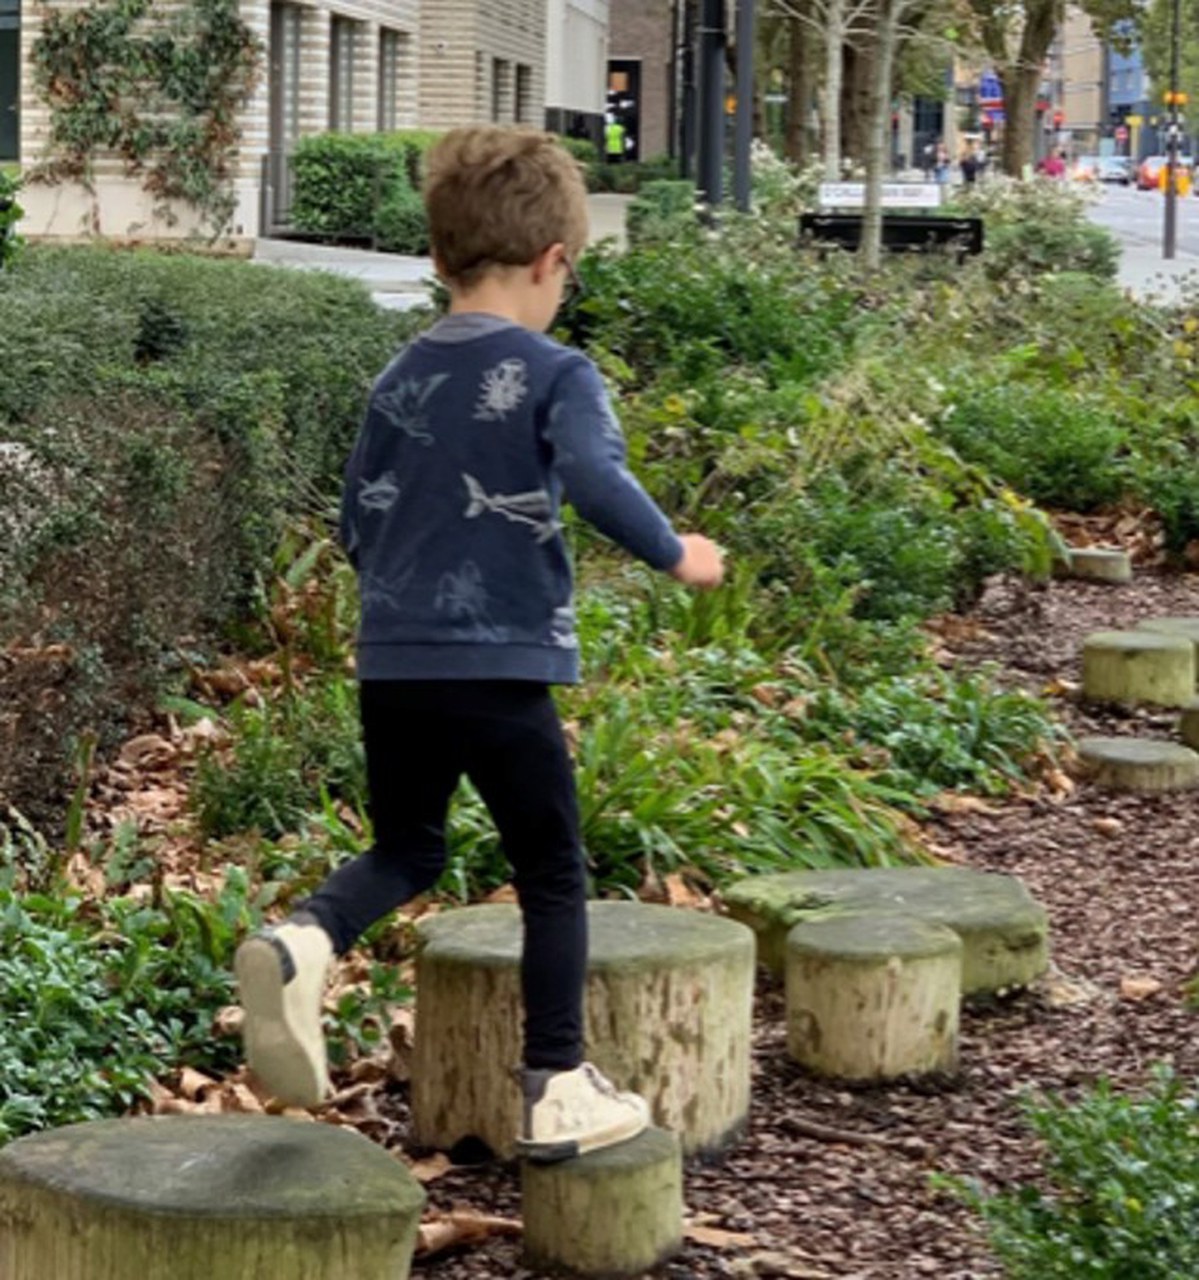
pixel 743 139
pixel 1171 228
pixel 687 129
pixel 711 114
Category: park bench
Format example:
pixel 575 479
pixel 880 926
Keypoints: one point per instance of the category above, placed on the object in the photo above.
pixel 910 233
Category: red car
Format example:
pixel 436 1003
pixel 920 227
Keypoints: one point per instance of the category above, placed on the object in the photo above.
pixel 1149 171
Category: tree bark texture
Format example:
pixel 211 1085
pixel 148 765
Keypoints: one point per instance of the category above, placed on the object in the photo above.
pixel 799 92
pixel 857 89
pixel 873 997
pixel 1020 74
pixel 1004 930
pixel 197 1197
pixel 1143 765
pixel 617 1213
pixel 668 1014
pixel 878 142
pixel 1138 667
pixel 834 54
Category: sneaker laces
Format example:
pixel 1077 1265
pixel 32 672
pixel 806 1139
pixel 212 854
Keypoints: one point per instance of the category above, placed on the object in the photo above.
pixel 600 1081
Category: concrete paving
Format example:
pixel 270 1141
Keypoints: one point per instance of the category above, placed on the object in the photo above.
pixel 400 283
pixel 1135 218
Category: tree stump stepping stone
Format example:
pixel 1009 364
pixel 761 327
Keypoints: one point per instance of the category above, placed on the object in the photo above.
pixel 1188 724
pixel 873 996
pixel 668 1015
pixel 1187 628
pixel 1099 564
pixel 1004 930
pixel 1138 666
pixel 197 1197
pixel 612 1214
pixel 1145 765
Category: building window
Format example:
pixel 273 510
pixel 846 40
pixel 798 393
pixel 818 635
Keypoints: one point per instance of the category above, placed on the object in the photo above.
pixel 389 80
pixel 341 76
pixel 284 75
pixel 500 71
pixel 10 79
pixel 524 96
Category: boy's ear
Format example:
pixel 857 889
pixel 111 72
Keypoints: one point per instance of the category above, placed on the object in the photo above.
pixel 546 262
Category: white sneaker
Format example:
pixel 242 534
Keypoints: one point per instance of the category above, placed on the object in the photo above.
pixel 569 1113
pixel 281 973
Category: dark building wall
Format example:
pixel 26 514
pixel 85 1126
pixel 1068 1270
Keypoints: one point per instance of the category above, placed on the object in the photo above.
pixel 642 31
pixel 10 79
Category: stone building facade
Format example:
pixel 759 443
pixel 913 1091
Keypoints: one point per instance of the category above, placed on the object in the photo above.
pixel 345 65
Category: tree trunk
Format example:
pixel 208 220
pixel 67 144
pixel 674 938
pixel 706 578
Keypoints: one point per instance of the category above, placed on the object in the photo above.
pixel 872 997
pixel 668 1010
pixel 834 53
pixel 1020 76
pixel 857 95
pixel 798 94
pixel 618 1212
pixel 1020 109
pixel 878 141
pixel 193 1197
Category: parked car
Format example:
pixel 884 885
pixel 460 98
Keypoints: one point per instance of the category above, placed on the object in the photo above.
pixel 1149 172
pixel 1116 169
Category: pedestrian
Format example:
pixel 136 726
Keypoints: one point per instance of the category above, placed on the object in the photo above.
pixel 1054 165
pixel 968 163
pixel 473 435
pixel 942 163
pixel 615 140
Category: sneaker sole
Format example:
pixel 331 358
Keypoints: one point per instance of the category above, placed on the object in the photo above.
pixel 281 1054
pixel 572 1148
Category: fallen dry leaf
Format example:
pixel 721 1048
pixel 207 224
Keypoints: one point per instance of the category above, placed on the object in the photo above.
pixel 717 1237
pixel 432 1168
pixel 962 802
pixel 194 1085
pixel 1108 826
pixel 1134 987
pixel 228 1021
pixel 462 1228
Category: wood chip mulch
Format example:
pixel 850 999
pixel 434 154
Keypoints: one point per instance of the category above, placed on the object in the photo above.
pixel 832 1183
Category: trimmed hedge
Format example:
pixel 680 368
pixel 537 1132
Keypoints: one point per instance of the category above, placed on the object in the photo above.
pixel 161 419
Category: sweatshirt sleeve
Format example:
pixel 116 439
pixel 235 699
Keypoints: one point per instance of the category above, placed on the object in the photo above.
pixel 588 455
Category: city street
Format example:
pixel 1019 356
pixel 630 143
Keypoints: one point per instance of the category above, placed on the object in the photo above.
pixel 1137 218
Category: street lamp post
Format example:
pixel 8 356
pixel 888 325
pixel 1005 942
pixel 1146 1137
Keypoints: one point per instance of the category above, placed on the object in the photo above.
pixel 1170 237
pixel 712 38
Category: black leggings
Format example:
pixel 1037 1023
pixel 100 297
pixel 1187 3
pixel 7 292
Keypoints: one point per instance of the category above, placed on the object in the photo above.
pixel 505 735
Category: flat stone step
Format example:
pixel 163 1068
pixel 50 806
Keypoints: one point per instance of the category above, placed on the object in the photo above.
pixel 1004 930
pixel 669 1006
pixel 1110 565
pixel 873 996
pixel 615 1213
pixel 1138 764
pixel 1186 627
pixel 1188 724
pixel 198 1197
pixel 1132 667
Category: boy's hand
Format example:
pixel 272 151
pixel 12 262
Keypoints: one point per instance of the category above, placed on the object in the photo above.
pixel 702 564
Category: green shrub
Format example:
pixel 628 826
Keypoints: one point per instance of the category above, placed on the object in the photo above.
pixel 416 144
pixel 661 212
pixel 11 213
pixel 1121 1198
pixel 93 1010
pixel 401 224
pixel 284 757
pixel 341 179
pixel 582 149
pixel 1055 445
pixel 628 178
pixel 1037 248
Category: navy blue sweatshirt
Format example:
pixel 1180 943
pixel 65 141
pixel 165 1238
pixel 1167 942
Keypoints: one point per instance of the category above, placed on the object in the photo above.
pixel 474 436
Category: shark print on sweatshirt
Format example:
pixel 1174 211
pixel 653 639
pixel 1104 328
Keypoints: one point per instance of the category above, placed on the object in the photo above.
pixel 535 508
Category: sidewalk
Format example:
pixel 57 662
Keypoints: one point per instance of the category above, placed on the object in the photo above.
pixel 1146 274
pixel 399 283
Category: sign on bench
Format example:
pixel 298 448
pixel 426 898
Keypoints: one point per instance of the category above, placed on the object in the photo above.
pixel 896 195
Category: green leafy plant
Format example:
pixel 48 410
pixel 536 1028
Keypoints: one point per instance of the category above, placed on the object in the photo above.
pixel 662 211
pixel 1121 1192
pixel 11 214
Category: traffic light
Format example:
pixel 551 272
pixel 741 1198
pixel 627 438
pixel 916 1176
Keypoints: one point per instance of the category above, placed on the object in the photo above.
pixel 1175 99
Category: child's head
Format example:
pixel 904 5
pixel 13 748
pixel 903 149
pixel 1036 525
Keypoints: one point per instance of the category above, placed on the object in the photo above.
pixel 507 208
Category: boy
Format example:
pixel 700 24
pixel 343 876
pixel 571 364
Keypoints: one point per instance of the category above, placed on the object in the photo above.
pixel 473 435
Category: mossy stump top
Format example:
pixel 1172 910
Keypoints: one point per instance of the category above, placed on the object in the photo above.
pixel 1003 928
pixel 623 936
pixel 870 937
pixel 193 1167
pixel 1186 627
pixel 1139 764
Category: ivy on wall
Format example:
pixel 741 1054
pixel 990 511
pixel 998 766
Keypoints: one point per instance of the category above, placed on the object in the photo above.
pixel 160 86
